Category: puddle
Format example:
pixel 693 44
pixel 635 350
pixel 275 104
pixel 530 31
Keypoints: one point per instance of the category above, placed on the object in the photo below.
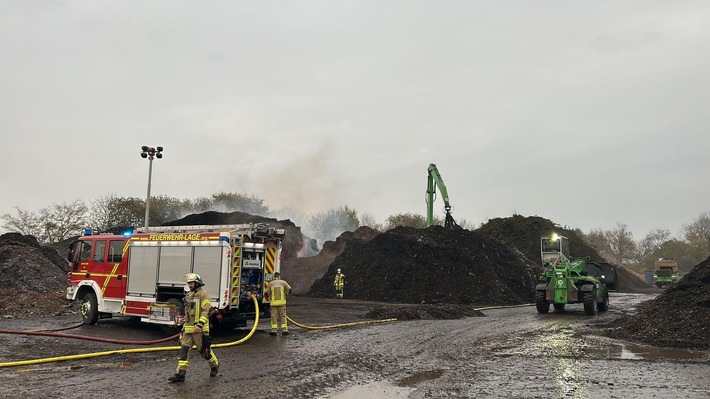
pixel 416 378
pixel 654 353
pixel 380 390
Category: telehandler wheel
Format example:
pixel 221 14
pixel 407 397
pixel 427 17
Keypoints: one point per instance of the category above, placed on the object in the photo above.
pixel 590 303
pixel 541 303
pixel 89 309
pixel 604 305
pixel 560 307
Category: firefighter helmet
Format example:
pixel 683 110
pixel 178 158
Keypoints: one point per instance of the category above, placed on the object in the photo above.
pixel 338 270
pixel 190 277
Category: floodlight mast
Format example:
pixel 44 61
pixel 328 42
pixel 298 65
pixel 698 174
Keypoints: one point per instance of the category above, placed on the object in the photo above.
pixel 150 153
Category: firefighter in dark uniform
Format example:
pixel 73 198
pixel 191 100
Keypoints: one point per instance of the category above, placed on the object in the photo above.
pixel 196 330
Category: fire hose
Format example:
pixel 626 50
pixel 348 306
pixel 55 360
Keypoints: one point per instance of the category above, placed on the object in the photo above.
pixel 89 338
pixel 359 323
pixel 134 350
pixel 170 348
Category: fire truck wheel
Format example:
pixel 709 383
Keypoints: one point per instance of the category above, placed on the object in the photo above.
pixel 171 330
pixel 90 309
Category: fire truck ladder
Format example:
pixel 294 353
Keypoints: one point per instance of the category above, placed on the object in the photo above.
pixel 259 229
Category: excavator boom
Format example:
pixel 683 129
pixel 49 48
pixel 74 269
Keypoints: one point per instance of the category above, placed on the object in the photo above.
pixel 434 180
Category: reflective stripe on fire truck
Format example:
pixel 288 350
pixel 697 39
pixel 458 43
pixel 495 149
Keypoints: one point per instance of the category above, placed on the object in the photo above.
pixel 108 277
pixel 235 275
pixel 269 257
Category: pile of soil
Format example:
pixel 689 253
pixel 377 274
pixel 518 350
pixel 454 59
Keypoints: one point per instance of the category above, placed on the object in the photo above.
pixel 301 273
pixel 631 282
pixel 432 265
pixel 25 265
pixel 679 317
pixel 524 233
pixel 35 304
pixel 32 277
pixel 293 244
pixel 423 312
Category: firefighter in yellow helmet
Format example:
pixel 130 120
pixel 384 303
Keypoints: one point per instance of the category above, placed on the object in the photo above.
pixel 339 284
pixel 278 289
pixel 196 330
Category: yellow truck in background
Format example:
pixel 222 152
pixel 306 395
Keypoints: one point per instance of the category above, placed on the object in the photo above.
pixel 665 272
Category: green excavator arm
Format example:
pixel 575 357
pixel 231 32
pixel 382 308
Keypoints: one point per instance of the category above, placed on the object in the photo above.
pixel 434 180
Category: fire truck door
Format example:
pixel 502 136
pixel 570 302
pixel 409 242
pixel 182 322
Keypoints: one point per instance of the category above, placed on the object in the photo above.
pixel 107 265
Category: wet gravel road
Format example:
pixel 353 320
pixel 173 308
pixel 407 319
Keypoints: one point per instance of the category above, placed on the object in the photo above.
pixel 510 353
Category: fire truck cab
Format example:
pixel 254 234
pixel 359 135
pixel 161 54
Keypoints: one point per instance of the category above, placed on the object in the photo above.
pixel 141 273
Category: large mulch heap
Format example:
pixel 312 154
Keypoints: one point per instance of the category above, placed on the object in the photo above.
pixel 32 277
pixel 439 311
pixel 292 245
pixel 524 233
pixel 432 265
pixel 27 266
pixel 301 273
pixel 678 318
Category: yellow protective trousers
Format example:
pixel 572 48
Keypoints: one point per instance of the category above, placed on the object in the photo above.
pixel 186 342
pixel 278 315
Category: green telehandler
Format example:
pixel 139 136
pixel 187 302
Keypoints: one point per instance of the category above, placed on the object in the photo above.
pixel 565 281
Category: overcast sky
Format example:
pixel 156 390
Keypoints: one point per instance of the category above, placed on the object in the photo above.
pixel 586 113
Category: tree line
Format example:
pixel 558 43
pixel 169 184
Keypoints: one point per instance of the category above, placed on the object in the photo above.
pixel 618 246
pixel 59 222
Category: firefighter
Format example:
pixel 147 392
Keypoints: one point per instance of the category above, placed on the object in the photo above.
pixel 278 289
pixel 196 330
pixel 339 284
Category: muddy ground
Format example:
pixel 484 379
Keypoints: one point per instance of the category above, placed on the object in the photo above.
pixel 509 353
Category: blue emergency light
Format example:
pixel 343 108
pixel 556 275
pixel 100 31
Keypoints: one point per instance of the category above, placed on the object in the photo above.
pixel 127 233
pixel 88 232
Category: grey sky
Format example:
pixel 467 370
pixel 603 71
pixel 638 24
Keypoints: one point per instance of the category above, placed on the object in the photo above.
pixel 587 113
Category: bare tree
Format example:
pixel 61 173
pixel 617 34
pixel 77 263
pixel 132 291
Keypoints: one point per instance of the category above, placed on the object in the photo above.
pixel 328 225
pixel 651 245
pixel 51 224
pixel 60 221
pixel 597 239
pixel 697 234
pixel 25 222
pixel 621 244
pixel 111 211
pixel 368 220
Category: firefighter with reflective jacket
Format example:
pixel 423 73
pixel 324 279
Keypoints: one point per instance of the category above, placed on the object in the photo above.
pixel 278 289
pixel 196 330
pixel 339 284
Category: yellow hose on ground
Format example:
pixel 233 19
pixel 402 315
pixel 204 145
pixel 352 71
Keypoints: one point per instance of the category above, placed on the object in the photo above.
pixel 362 323
pixel 505 307
pixel 135 350
pixel 359 323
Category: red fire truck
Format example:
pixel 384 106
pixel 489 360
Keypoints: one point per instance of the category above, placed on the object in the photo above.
pixel 141 273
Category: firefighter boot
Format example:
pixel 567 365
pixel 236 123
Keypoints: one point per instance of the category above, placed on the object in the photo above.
pixel 213 371
pixel 178 377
